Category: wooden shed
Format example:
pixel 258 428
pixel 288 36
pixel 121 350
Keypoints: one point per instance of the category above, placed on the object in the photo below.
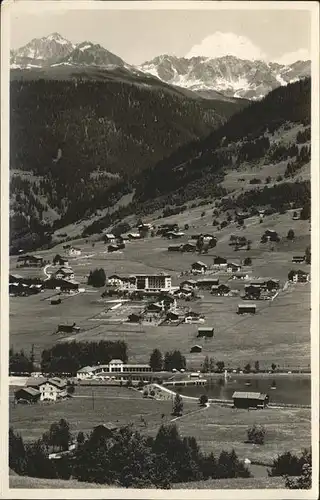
pixel 205 331
pixel 247 309
pixel 250 399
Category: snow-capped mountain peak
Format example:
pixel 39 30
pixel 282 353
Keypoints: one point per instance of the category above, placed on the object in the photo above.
pixel 42 51
pixel 234 77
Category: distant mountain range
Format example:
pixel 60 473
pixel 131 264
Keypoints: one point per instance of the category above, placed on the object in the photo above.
pixel 228 75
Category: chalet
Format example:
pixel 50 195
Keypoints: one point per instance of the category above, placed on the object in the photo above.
pixel 247 309
pixel 269 235
pixel 299 276
pixel 123 282
pixel 189 247
pixel 27 395
pixel 109 238
pixel 250 399
pixel 221 290
pixel 134 236
pixel 220 262
pixel 53 389
pixel 207 283
pixel 64 273
pixel 104 430
pixel 196 348
pixel 65 328
pixel 175 248
pixel 188 284
pixel 74 252
pixel 60 261
pixel 298 259
pixel 50 389
pixel 30 261
pixel 66 247
pixel 233 268
pixel 272 284
pixel 199 267
pixel 241 275
pixel 205 331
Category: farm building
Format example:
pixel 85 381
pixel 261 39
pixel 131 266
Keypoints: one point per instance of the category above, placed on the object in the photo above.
pixel 188 284
pixel 172 316
pixel 155 307
pixel 65 328
pixel 270 235
pixel 175 248
pixel 207 283
pixel 174 235
pixel 199 267
pixel 205 331
pixel 193 317
pixel 64 273
pixel 60 261
pixel 252 292
pixel 196 348
pixel 109 238
pixel 49 389
pixel 247 309
pixel 233 268
pixel 250 399
pixel 74 252
pixel 27 395
pixel 30 261
pixel 69 286
pixel 104 430
pixel 298 259
pixel 299 276
pixel 221 290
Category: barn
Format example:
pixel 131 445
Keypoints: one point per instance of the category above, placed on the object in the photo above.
pixel 196 348
pixel 27 395
pixel 247 309
pixel 205 331
pixel 250 399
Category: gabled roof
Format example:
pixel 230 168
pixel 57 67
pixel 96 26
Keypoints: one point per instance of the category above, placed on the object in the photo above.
pixel 199 263
pixel 205 328
pixel 29 390
pixel 86 369
pixel 249 395
pixel 110 426
pixel 247 305
pixel 116 361
pixel 57 382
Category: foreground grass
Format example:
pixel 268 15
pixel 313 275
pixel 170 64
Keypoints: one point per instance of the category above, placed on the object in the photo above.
pixel 237 483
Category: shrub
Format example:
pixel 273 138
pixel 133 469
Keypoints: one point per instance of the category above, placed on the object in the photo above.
pixel 203 400
pixel 256 434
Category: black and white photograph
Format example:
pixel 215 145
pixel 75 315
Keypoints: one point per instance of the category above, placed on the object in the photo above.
pixel 160 249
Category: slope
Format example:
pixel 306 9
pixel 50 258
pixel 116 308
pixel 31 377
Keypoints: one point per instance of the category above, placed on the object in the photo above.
pixel 79 132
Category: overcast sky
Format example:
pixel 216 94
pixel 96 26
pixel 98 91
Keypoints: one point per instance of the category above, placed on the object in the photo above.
pixel 138 36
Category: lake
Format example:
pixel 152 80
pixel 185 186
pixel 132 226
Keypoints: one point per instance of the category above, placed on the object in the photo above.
pixel 288 389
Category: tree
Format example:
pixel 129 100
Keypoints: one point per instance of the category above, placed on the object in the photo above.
pixel 257 366
pixel 303 482
pixel 308 255
pixel 156 361
pixel 247 261
pixel 256 434
pixel 289 464
pixel 203 400
pixel 174 360
pixel 19 362
pixel 220 366
pixel 273 366
pixel 97 278
pixel 247 368
pixel 205 365
pixel 80 438
pixel 17 453
pixel 177 405
pixel 290 235
pixel 186 227
pixel 70 389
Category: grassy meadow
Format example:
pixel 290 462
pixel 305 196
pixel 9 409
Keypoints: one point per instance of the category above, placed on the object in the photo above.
pixel 279 332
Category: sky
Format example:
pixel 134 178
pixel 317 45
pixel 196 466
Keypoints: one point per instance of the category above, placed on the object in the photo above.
pixel 140 35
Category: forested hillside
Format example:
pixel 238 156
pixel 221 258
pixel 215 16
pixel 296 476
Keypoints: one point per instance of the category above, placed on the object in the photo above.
pixel 254 138
pixel 75 139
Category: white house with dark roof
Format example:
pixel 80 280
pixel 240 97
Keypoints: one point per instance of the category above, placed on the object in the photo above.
pixel 64 273
pixel 199 267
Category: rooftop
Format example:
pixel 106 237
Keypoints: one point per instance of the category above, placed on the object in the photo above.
pixel 30 390
pixel 249 395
